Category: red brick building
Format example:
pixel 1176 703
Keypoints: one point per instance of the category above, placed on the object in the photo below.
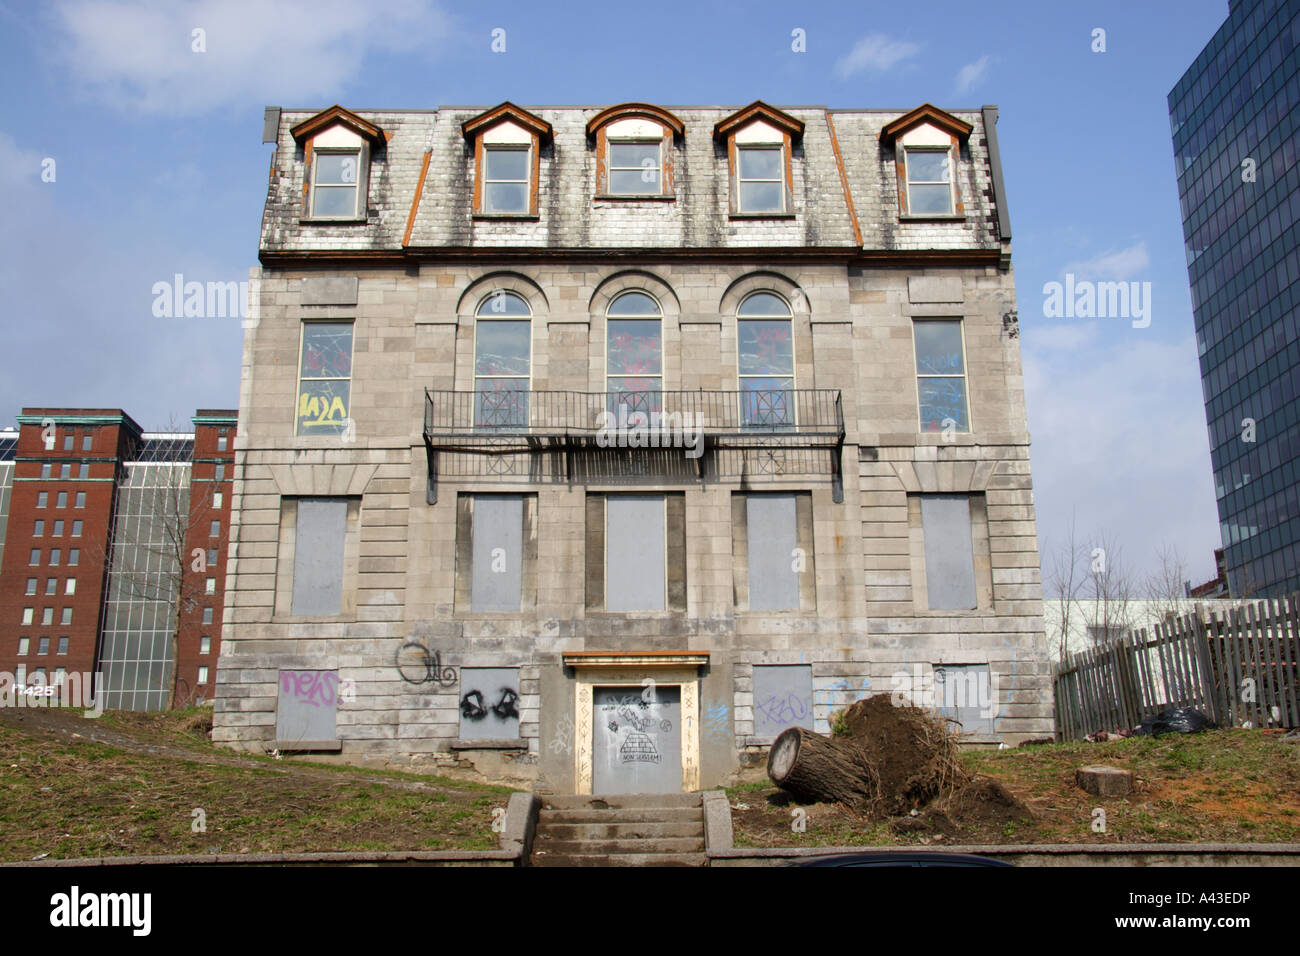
pixel 107 534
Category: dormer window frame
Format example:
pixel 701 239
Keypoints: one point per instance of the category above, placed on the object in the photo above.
pixel 628 124
pixel 536 132
pixel 324 126
pixel 927 129
pixel 785 131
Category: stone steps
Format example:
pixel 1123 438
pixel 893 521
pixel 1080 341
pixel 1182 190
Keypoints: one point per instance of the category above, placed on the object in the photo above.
pixel 660 829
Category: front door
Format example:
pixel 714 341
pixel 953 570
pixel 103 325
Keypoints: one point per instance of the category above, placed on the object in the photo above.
pixel 636 739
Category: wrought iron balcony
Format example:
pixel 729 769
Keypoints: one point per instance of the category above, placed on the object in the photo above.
pixel 535 436
pixel 797 416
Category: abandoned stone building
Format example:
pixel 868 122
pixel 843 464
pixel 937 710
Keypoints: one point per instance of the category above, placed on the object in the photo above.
pixel 589 448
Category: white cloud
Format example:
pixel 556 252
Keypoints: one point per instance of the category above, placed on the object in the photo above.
pixel 1119 439
pixel 1112 265
pixel 18 166
pixel 139 54
pixel 972 74
pixel 874 52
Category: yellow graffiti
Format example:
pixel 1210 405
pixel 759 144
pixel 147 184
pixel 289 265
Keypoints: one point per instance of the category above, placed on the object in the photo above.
pixel 320 411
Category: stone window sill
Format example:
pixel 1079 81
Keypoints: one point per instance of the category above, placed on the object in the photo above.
pixel 762 215
pixel 508 216
pixel 638 197
pixel 488 744
pixel 931 218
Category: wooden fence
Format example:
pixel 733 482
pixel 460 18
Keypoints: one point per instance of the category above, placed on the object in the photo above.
pixel 1237 668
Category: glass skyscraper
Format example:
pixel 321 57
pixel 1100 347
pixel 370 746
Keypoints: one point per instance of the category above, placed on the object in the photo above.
pixel 1235 116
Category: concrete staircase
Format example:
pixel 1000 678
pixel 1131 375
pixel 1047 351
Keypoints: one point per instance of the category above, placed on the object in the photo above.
pixel 643 829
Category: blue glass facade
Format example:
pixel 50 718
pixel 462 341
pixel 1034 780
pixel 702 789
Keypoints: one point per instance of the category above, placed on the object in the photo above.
pixel 1235 117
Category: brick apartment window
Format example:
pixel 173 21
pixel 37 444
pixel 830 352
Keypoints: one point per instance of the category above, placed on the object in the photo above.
pixel 67 442
pixel 212 557
pixel 203 673
pixel 24 644
pixel 67 616
pixel 58 528
pixel 47 615
pixel 56 555
pixel 65 471
pixel 929 182
pixel 83 471
pixel 205 645
pixel 324 378
pixel 221 444
pixel 62 500
pixel 81 499
pixel 74 557
pixel 51 585
pixel 506 179
pixel 761 176
pixel 27 615
pixel 43 645
pixel 214 529
pixel 635 167
pixel 334 184
pixel 502 360
pixel 216 499
pixel 70 586
pixel 31 586
pixel 219 473
pixel 38 529
pixel 43 497
pixel 87 443
pixel 941 375
pixel 765 341
pixel 634 355
pixel 60 675
pixel 35 557
pixel 210 586
pixel 63 645
pixel 207 615
pixel 76 529
pixel 45 472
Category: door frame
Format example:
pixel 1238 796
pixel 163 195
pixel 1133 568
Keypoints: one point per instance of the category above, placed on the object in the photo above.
pixel 668 669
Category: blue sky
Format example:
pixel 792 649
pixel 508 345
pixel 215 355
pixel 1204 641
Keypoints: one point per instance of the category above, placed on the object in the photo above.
pixel 159 169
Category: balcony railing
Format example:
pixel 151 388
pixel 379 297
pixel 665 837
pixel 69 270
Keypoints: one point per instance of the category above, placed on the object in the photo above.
pixel 807 416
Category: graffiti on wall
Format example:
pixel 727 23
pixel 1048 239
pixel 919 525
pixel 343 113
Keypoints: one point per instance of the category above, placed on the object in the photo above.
pixel 717 721
pixel 310 688
pixel 636 711
pixel 489 702
pixel 419 665
pixel 784 709
pixel 473 705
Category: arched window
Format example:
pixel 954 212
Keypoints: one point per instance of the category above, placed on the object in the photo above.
pixel 634 354
pixel 765 359
pixel 502 361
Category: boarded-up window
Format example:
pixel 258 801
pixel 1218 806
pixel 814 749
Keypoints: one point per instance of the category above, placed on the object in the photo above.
pixel 634 553
pixel 497 581
pixel 965 693
pixel 489 703
pixel 318 556
pixel 783 698
pixel 307 707
pixel 773 574
pixel 949 553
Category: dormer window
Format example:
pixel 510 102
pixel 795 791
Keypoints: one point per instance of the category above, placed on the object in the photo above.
pixel 507 157
pixel 762 178
pixel 506 178
pixel 634 168
pixel 334 184
pixel 337 147
pixel 927 144
pixel 634 151
pixel 760 145
pixel 929 181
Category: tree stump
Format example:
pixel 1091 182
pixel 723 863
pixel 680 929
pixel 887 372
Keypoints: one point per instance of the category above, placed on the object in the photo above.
pixel 816 769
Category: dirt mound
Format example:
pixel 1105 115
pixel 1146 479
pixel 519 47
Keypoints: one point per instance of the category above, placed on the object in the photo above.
pixel 912 752
pixel 981 806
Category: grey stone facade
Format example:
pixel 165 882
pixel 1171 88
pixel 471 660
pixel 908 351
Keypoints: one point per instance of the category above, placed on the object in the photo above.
pixel 409 277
